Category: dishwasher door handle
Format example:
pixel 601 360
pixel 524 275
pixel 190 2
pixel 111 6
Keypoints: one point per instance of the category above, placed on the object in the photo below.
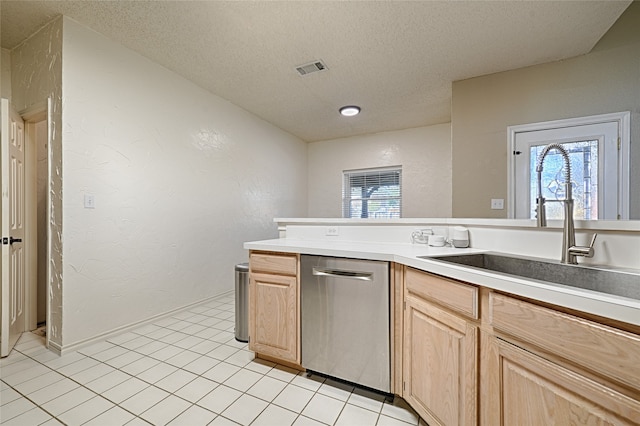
pixel 338 273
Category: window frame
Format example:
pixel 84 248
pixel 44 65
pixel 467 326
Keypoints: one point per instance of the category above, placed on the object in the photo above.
pixel 371 173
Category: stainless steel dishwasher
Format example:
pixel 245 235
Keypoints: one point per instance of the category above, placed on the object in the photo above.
pixel 345 319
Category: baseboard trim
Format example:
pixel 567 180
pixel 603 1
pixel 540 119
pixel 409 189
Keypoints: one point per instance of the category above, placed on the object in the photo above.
pixel 64 349
pixel 54 347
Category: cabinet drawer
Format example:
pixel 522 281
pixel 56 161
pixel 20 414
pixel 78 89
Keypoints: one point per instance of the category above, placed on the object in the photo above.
pixel 282 264
pixel 460 297
pixel 599 348
pixel 539 392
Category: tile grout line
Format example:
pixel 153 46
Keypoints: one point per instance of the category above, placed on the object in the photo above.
pixel 41 406
pixel 28 399
pixel 184 317
pixel 93 392
pixel 315 392
pixel 132 376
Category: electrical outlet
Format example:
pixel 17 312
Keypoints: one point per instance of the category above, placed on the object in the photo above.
pixel 497 204
pixel 332 231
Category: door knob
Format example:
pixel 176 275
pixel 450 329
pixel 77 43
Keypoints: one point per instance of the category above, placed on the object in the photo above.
pixel 14 240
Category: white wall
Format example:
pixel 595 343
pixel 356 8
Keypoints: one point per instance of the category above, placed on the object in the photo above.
pixel 424 154
pixel 181 178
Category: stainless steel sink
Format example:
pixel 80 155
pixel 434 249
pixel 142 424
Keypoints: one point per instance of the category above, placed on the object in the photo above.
pixel 616 282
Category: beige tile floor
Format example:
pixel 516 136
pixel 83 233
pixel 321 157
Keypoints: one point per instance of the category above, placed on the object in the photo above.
pixel 186 369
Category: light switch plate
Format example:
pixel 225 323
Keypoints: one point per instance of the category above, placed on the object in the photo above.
pixel 497 204
pixel 89 201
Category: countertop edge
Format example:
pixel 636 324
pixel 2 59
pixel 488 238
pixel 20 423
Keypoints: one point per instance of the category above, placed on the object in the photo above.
pixel 604 305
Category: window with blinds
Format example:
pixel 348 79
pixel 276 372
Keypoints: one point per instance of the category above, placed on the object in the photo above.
pixel 372 193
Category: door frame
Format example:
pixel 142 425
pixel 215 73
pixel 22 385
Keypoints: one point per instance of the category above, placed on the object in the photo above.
pixel 32 115
pixel 624 132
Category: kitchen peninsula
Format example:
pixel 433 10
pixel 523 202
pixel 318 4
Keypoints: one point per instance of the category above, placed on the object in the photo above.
pixel 472 346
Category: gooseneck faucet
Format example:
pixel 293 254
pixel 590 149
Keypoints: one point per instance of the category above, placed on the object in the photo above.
pixel 570 251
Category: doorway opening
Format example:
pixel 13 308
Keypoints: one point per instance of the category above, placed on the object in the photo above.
pixel 25 261
pixel 41 177
pixel 37 172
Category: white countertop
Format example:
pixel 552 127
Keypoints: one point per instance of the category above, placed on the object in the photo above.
pixel 605 305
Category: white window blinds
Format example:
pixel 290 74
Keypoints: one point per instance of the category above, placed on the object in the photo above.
pixel 372 193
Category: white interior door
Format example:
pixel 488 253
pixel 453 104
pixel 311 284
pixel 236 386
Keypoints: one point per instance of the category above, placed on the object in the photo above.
pixel 13 173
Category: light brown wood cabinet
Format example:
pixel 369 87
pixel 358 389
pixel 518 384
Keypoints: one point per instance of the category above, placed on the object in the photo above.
pixel 475 356
pixel 554 368
pixel 274 308
pixel 440 349
pixel 468 355
pixel 536 392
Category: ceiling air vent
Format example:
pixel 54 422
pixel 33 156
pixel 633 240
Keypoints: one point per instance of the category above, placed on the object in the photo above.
pixel 311 67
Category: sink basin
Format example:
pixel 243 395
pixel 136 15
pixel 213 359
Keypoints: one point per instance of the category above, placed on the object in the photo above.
pixel 620 283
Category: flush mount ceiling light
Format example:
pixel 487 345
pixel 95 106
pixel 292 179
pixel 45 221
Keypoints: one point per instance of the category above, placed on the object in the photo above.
pixel 350 110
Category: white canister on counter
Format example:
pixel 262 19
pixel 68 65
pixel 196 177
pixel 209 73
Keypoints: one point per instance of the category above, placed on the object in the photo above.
pixel 460 237
pixel 436 240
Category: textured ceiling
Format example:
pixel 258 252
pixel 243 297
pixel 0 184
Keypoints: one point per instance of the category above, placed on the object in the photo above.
pixel 395 59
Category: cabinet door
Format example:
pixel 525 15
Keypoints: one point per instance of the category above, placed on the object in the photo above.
pixel 608 351
pixel 535 391
pixel 274 323
pixel 440 364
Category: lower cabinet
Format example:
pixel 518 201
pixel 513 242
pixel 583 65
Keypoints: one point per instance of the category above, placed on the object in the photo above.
pixel 467 355
pixel 274 307
pixel 554 368
pixel 473 356
pixel 535 391
pixel 440 358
